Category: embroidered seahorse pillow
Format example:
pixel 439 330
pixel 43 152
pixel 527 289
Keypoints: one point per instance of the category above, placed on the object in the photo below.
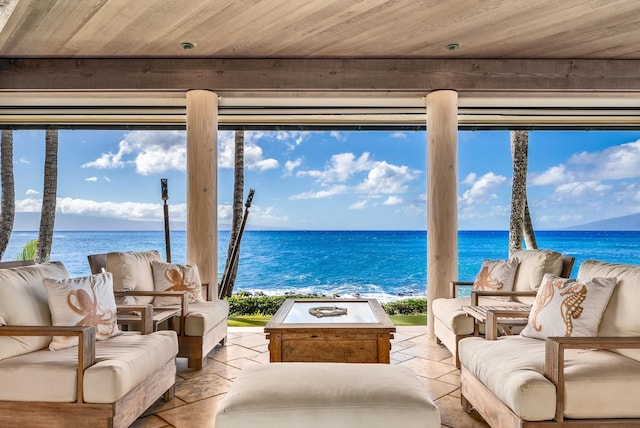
pixel 496 275
pixel 569 307
pixel 176 277
pixel 82 301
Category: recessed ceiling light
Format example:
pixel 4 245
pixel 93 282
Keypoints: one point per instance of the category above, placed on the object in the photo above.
pixel 187 45
pixel 452 46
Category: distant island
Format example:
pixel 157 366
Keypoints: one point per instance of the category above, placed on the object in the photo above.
pixel 627 222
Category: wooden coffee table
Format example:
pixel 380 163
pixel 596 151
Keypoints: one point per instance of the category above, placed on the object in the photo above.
pixel 362 335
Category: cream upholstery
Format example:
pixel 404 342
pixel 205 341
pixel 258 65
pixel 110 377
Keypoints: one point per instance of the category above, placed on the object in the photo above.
pixel 122 362
pixel 622 315
pixel 599 384
pixel 23 301
pixel 336 395
pixel 204 316
pixel 452 322
pixel 132 272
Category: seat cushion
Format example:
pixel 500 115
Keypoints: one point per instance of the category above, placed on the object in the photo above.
pixel 204 316
pixel 599 384
pixel 337 395
pixel 621 317
pixel 132 272
pixel 23 301
pixel 122 363
pixel 450 313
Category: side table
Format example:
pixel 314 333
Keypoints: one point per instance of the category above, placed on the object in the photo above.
pixel 504 316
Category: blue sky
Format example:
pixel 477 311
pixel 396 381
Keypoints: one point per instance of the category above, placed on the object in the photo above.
pixel 338 180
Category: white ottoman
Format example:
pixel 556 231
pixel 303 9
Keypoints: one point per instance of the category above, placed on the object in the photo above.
pixel 336 395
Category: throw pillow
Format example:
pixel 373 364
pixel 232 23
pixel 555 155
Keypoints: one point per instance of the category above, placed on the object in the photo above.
pixel 176 277
pixel 569 307
pixel 496 275
pixel 83 301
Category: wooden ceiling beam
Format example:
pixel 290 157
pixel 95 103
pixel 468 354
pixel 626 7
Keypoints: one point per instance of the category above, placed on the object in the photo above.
pixel 319 75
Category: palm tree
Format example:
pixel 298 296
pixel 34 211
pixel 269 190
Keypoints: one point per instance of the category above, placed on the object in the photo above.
pixel 520 221
pixel 7 215
pixel 48 214
pixel 236 222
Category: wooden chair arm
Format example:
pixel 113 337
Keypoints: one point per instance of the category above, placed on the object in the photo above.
pixel 146 313
pixel 86 345
pixel 184 302
pixel 491 328
pixel 455 284
pixel 475 294
pixel 554 358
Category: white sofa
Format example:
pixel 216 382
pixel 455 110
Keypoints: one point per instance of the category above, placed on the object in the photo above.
pixel 200 327
pixel 108 383
pixel 451 323
pixel 518 381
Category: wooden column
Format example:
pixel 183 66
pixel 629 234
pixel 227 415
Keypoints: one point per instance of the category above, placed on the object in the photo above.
pixel 202 186
pixel 442 196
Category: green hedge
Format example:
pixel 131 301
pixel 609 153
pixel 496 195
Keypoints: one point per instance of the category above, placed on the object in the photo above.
pixel 268 305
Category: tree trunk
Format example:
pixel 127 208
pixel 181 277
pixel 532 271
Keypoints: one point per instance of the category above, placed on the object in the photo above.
pixel 529 233
pixel 7 215
pixel 49 193
pixel 519 148
pixel 236 222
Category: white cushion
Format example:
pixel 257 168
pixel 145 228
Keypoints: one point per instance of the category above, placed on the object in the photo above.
pixel 23 301
pixel 599 384
pixel 204 316
pixel 132 271
pixel 336 395
pixel 569 307
pixel 450 312
pixel 622 315
pixel 496 275
pixel 122 363
pixel 82 301
pixel 176 277
pixel 532 265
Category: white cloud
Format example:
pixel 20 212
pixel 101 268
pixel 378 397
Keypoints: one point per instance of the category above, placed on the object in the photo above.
pixel 392 200
pixel 340 168
pixel 398 134
pixel 31 192
pixel 385 178
pixel 111 160
pixel 470 178
pixel 289 166
pixel 338 135
pixel 253 154
pixel 24 161
pixel 105 178
pixel 360 205
pixel 292 138
pixel 616 162
pixel 554 175
pixel 577 189
pixel 482 188
pixel 91 179
pixel 333 191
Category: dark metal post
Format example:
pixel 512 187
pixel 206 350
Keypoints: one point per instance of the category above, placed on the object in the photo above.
pixel 165 196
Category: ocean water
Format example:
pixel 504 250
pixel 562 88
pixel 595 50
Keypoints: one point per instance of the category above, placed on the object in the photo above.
pixel 382 264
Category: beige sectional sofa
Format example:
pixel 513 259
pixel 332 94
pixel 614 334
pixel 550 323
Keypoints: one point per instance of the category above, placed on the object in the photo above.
pixel 519 381
pixel 451 323
pixel 107 383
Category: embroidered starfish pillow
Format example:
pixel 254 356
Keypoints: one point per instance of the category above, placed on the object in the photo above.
pixel 569 307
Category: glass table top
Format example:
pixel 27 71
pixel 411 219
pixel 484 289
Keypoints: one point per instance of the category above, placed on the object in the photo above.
pixel 357 312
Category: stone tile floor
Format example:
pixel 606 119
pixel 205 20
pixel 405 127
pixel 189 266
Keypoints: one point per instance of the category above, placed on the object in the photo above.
pixel 198 392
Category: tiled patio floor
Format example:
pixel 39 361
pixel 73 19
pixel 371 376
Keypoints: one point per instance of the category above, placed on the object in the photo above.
pixel 198 392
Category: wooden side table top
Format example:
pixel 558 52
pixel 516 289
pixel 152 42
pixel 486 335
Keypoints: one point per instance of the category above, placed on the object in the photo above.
pixel 160 314
pixel 497 316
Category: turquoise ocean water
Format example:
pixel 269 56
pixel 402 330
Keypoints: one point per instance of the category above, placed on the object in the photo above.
pixel 382 264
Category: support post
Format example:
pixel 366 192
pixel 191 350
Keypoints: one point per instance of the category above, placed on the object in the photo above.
pixel 202 185
pixel 442 195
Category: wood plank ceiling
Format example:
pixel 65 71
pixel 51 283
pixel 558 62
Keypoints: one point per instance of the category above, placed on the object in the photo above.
pixel 321 28
pixel 354 57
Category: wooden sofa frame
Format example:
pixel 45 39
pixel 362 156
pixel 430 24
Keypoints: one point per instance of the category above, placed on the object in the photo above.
pixel 450 340
pixel 475 396
pixel 194 348
pixel 122 413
